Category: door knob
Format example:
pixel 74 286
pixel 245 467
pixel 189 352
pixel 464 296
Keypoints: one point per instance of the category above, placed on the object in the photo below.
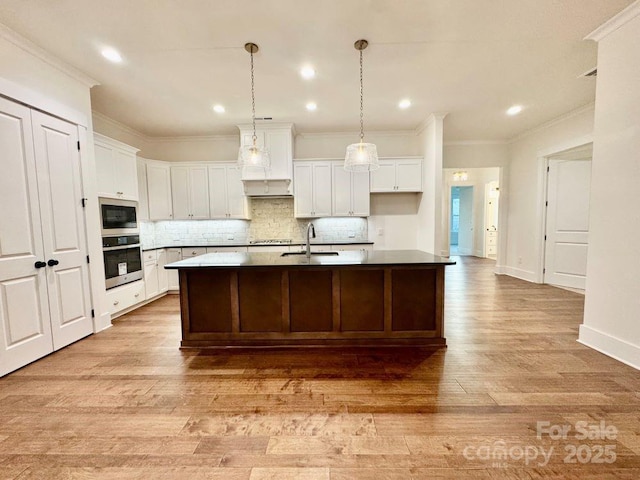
pixel 40 264
pixel 52 262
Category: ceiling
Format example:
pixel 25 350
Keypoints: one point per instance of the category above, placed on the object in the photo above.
pixel 471 59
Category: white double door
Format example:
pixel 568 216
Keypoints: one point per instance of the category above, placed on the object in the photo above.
pixel 567 232
pixel 44 279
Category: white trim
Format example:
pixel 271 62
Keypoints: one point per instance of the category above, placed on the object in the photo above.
pixel 455 143
pixel 566 145
pixel 41 54
pixel 102 322
pixel 625 352
pixel 33 99
pixel 429 120
pixel 341 159
pixel 614 23
pixel 119 125
pixel 114 143
pixel 195 138
pixel 385 133
pixel 519 273
pixel 573 113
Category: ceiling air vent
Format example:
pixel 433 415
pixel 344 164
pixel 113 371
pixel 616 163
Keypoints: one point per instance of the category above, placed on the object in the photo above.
pixel 264 118
pixel 590 73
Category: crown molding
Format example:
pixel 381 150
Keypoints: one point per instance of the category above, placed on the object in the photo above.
pixel 194 138
pixel 573 113
pixel 355 134
pixel 456 143
pixel 429 120
pixel 614 23
pixel 119 125
pixel 28 46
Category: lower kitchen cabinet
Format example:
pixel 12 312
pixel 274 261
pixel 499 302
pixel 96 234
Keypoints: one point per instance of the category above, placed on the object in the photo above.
pixel 120 299
pixel 173 255
pixel 155 276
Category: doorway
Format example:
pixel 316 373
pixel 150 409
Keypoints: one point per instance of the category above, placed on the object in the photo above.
pixel 461 221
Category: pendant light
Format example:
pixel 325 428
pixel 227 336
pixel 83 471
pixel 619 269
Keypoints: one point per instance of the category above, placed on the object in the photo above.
pixel 361 157
pixel 252 156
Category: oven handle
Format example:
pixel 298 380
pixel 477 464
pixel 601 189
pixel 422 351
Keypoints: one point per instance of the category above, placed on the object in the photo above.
pixel 120 247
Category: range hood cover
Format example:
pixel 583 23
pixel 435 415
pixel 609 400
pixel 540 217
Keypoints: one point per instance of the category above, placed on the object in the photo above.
pixel 268 187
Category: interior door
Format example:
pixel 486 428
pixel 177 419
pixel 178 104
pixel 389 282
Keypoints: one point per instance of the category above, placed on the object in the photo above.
pixel 63 228
pixel 465 229
pixel 567 231
pixel 25 330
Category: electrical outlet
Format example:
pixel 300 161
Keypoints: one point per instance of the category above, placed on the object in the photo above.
pixel 230 237
pixel 352 235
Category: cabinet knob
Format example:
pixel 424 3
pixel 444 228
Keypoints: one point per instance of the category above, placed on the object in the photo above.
pixel 137 295
pixel 120 193
pixel 116 302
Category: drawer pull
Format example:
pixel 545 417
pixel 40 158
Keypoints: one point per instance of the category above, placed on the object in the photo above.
pixel 116 302
pixel 137 295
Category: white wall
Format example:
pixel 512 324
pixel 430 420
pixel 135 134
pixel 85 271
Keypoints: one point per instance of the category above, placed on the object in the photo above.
pixel 526 183
pixel 612 303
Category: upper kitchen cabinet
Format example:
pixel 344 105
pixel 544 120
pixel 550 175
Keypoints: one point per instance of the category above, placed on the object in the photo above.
pixel 278 138
pixel 143 193
pixel 226 193
pixel 312 189
pixel 350 192
pixel 397 175
pixel 159 190
pixel 190 192
pixel 116 168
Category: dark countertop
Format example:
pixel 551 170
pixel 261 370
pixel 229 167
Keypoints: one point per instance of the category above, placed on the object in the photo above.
pixel 379 257
pixel 231 245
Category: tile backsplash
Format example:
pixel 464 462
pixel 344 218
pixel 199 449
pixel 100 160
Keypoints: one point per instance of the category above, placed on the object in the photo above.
pixel 271 218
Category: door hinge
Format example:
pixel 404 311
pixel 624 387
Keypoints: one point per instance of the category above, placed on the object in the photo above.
pixel 544 270
pixel 547 169
pixel 545 238
pixel 88 261
pixel 84 202
pixel 78 145
pixel 546 204
pixel 93 313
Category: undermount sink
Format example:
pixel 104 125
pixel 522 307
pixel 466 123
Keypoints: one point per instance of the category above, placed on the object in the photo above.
pixel 286 254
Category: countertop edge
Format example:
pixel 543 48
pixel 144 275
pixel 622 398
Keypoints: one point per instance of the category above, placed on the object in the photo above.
pixel 227 245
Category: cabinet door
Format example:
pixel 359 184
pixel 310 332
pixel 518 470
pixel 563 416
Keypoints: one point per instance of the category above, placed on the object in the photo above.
pixel 322 190
pixel 246 139
pixel 409 176
pixel 25 329
pixel 163 279
pixel 303 190
pixel 384 178
pixel 360 198
pixel 105 170
pixel 341 191
pixel 236 199
pixel 218 191
pixel 198 193
pixel 180 193
pixel 173 255
pixel 159 189
pixel 143 194
pixel 63 228
pixel 151 284
pixel 126 175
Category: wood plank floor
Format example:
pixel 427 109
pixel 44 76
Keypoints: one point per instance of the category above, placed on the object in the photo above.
pixel 127 404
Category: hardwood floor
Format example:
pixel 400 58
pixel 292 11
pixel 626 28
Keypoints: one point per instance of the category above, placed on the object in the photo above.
pixel 127 404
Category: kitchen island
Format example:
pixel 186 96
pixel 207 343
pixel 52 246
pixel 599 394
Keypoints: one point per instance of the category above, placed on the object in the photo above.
pixel 393 297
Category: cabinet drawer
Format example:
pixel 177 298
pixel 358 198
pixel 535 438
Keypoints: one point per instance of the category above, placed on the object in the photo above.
pixel 149 256
pixel 193 252
pixel 492 250
pixel 230 249
pixel 492 241
pixel 121 298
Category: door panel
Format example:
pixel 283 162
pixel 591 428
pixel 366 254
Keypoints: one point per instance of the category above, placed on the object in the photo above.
pixel 180 192
pixel 409 176
pixel 384 178
pixel 217 192
pixel 341 190
pixel 25 330
pixel 199 192
pixel 360 204
pixel 236 199
pixel 322 190
pixel 568 191
pixel 303 190
pixel 63 227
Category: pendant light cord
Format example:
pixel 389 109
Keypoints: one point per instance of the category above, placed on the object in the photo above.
pixel 253 104
pixel 361 102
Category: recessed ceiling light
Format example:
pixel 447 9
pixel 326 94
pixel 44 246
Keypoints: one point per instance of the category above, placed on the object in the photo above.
pixel 406 103
pixel 307 72
pixel 111 54
pixel 218 108
pixel 516 109
pixel 311 106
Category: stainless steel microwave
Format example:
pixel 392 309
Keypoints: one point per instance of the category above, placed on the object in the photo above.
pixel 119 217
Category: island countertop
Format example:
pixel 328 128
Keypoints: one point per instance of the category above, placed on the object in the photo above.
pixel 375 258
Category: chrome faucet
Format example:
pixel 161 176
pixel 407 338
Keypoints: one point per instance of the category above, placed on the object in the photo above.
pixel 312 229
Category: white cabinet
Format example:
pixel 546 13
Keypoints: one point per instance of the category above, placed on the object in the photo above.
pixel 491 243
pixel 121 299
pixel 143 193
pixel 226 193
pixel 193 252
pixel 190 193
pixel 229 249
pixel 155 276
pixel 45 301
pixel 116 168
pixel 159 190
pixel 350 192
pixel 278 138
pixel 269 248
pixel 312 189
pixel 397 175
pixel 354 247
pixel 173 255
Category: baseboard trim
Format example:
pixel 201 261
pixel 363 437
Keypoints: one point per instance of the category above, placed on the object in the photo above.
pixel 519 273
pixel 613 347
pixel 104 322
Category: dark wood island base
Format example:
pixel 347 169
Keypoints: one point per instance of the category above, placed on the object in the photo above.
pixel 294 304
